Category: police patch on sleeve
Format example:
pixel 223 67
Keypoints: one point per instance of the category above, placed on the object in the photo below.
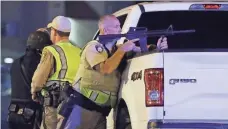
pixel 99 48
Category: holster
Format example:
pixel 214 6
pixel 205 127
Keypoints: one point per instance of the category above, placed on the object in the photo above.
pixel 66 107
pixel 52 96
pixel 65 100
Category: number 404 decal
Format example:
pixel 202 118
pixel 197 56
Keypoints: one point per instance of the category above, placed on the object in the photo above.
pixel 136 76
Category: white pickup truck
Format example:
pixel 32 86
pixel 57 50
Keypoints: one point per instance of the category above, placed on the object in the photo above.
pixel 185 86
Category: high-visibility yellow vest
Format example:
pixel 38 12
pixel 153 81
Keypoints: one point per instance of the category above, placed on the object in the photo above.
pixel 102 89
pixel 67 58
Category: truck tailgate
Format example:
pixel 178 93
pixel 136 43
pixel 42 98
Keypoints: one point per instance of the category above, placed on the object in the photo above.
pixel 196 85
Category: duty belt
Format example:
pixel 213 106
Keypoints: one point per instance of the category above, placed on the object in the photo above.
pixel 56 82
pixel 53 92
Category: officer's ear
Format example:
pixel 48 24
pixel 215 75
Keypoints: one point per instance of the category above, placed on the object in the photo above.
pixel 105 30
pixel 55 32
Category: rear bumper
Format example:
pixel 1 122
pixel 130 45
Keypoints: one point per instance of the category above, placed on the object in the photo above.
pixel 152 125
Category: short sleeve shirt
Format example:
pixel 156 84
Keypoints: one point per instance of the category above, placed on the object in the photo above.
pixel 95 53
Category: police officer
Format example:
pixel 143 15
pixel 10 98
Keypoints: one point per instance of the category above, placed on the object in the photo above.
pixel 58 65
pixel 23 112
pixel 98 77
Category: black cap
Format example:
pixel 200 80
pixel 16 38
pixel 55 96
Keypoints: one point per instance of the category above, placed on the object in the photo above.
pixel 38 40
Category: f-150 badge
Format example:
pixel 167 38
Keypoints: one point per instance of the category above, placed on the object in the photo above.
pixel 174 81
pixel 136 76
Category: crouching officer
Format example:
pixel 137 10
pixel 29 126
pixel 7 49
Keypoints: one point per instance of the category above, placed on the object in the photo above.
pixel 23 112
pixel 98 78
pixel 58 65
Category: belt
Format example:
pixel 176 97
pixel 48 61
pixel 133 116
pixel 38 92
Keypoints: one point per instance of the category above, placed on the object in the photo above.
pixel 56 82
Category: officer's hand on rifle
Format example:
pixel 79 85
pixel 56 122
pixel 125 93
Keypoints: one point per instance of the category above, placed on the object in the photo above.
pixel 162 43
pixel 129 45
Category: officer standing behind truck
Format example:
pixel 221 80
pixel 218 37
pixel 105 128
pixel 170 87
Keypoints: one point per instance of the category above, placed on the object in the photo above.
pixel 23 112
pixel 98 77
pixel 58 66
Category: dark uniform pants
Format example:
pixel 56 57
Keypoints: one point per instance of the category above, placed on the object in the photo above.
pixel 81 118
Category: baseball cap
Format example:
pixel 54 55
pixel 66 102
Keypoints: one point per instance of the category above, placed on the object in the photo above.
pixel 60 23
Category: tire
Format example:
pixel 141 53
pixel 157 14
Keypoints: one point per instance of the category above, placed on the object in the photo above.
pixel 123 119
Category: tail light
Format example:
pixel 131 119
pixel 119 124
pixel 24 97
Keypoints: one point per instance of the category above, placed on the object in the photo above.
pixel 208 7
pixel 154 82
pixel 211 6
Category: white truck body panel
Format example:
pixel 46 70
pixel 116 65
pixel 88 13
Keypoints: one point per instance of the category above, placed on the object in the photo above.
pixel 205 99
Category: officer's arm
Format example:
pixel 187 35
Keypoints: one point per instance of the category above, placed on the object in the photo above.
pixel 42 72
pixel 109 65
pixel 151 47
pixel 100 62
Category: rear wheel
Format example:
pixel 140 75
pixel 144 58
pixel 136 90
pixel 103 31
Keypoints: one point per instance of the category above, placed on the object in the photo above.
pixel 123 119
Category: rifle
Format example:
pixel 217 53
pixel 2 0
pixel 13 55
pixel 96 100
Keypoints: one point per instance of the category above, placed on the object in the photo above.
pixel 142 33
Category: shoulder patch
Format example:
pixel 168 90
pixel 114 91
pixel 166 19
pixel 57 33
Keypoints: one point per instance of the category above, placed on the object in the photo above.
pixel 99 48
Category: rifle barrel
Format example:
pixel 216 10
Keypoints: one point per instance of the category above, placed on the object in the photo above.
pixel 185 31
pixel 149 33
pixel 169 32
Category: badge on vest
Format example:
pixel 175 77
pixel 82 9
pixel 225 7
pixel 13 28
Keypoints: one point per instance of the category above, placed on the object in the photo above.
pixel 99 48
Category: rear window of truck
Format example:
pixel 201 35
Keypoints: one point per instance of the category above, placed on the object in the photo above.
pixel 211 28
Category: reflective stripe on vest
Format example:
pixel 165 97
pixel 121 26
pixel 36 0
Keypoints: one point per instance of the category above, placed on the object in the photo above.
pixel 93 96
pixel 63 60
pixel 103 98
pixel 67 58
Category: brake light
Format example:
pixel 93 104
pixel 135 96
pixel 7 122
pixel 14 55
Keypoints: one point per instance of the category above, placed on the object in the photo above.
pixel 154 85
pixel 211 6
